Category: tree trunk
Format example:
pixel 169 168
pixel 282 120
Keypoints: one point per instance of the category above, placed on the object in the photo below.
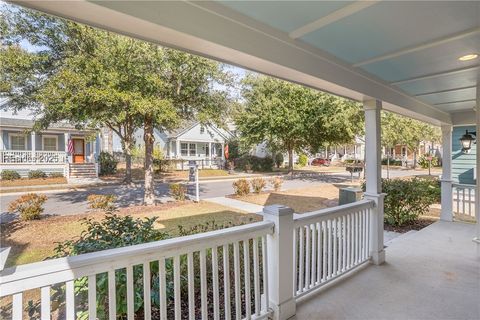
pixel 149 139
pixel 290 161
pixel 414 159
pixel 127 150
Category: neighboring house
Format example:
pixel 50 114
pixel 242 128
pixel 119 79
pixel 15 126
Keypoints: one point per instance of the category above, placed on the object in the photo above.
pixel 194 141
pixel 23 150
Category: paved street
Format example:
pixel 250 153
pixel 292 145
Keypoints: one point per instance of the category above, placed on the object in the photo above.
pixel 74 202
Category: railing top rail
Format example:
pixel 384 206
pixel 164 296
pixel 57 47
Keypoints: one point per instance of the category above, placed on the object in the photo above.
pixel 38 274
pixel 329 213
pixel 463 185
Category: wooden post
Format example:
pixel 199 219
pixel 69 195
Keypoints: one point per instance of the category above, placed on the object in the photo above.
pixel 280 262
pixel 446 181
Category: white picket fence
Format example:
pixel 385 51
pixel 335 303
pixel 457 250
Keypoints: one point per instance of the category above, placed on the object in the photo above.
pixel 196 277
pixel 329 243
pixel 464 199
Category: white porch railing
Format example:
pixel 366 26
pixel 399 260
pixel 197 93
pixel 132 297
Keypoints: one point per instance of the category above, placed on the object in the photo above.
pixel 463 199
pixel 177 260
pixel 329 243
pixel 247 272
pixel 26 156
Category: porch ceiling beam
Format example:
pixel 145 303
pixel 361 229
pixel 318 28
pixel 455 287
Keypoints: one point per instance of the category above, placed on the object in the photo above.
pixel 426 45
pixel 435 75
pixel 444 91
pixel 450 102
pixel 331 18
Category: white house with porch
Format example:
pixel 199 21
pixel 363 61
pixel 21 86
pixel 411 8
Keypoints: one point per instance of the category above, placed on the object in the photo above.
pixel 61 148
pixel 419 59
pixel 204 144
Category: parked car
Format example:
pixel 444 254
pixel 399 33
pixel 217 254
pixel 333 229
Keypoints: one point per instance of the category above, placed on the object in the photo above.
pixel 321 162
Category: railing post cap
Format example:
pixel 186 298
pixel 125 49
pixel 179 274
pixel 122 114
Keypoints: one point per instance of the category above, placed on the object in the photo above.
pixel 278 210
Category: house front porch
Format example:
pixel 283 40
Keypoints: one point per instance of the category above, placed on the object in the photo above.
pixel 430 274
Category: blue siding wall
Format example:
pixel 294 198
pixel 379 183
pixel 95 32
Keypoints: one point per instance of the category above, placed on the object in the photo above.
pixel 462 163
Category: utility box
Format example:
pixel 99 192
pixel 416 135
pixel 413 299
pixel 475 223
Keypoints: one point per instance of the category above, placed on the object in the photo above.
pixel 349 195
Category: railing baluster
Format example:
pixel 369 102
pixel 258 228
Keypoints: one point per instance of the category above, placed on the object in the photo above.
pixel 301 283
pixel 320 250
pixel 216 309
pixel 295 260
pixel 265 272
pixel 147 301
pixel 17 306
pixel 365 234
pixel 162 288
pixel 236 267
pixel 226 280
pixel 130 293
pixel 45 303
pixel 334 231
pixel 246 267
pixel 203 284
pixel 176 287
pixel 256 278
pixel 191 287
pixel 307 257
pixel 344 243
pixel 69 300
pixel 324 245
pixel 112 296
pixel 329 252
pixel 314 256
pixel 92 297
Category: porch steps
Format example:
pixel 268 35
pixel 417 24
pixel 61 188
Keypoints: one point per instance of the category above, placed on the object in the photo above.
pixel 82 170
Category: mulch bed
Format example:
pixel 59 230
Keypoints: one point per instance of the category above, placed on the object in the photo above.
pixel 417 225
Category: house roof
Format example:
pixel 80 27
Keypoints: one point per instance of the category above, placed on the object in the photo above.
pixel 189 125
pixel 28 124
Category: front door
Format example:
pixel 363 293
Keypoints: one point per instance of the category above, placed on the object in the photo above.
pixel 78 151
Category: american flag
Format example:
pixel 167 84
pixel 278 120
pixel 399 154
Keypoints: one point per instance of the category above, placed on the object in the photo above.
pixel 70 146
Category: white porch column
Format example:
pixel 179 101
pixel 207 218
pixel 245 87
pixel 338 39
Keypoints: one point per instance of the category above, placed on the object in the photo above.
pixel 34 147
pixel 223 151
pixel 373 171
pixel 177 150
pixel 446 181
pixel 210 151
pixel 280 257
pixel 2 144
pixel 477 182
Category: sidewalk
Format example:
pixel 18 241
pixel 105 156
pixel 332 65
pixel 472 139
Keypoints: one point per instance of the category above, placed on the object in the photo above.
pixel 237 204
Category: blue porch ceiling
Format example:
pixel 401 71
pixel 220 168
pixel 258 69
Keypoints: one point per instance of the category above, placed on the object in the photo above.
pixel 437 32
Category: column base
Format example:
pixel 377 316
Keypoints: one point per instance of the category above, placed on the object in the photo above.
pixel 446 213
pixel 378 258
pixel 285 310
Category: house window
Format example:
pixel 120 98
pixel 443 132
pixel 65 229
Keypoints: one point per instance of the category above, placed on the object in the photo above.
pixel 202 129
pixel 184 149
pixel 18 142
pixel 193 149
pixel 50 143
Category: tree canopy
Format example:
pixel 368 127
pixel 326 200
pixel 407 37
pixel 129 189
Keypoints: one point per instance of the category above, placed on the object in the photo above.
pixel 295 118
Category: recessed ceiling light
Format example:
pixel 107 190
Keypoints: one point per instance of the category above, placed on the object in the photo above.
pixel 467 57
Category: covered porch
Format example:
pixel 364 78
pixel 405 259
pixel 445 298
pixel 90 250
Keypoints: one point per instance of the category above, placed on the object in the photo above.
pixel 350 49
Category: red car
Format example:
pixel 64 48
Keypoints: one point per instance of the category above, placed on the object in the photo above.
pixel 321 162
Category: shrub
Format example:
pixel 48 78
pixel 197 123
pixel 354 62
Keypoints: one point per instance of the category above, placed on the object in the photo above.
pixel 241 187
pixel 10 175
pixel 392 162
pixel 55 175
pixel 258 184
pixel 178 191
pixel 407 199
pixel 105 202
pixel 36 174
pixel 29 206
pixel 302 160
pixel 423 161
pixel 108 164
pixel 279 159
pixel 276 183
pixel 111 232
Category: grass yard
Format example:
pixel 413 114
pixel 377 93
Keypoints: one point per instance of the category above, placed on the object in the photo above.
pixel 35 240
pixel 32 182
pixel 301 200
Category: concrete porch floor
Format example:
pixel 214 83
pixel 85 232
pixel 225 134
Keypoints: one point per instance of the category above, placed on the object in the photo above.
pixel 431 274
